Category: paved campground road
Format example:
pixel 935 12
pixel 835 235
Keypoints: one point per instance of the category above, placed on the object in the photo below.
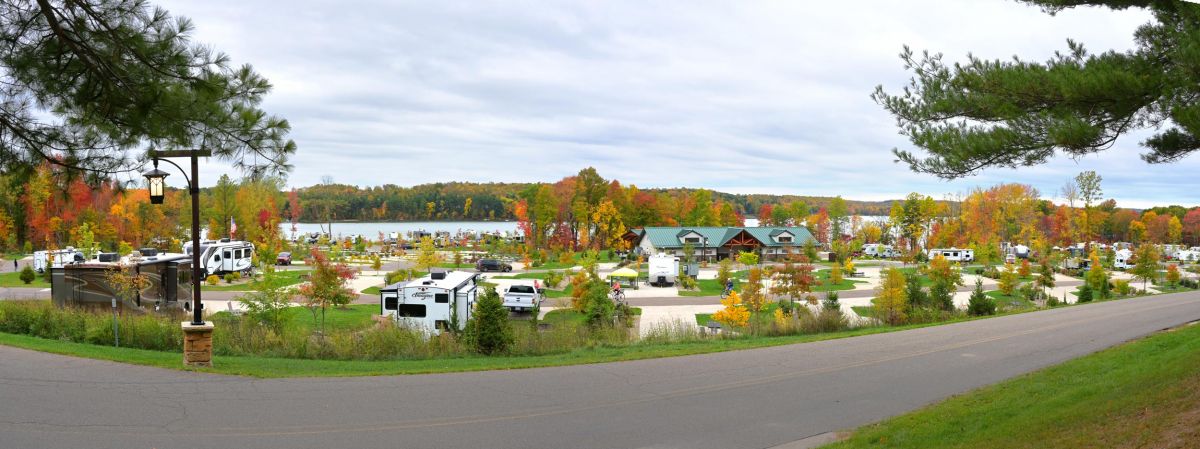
pixel 743 399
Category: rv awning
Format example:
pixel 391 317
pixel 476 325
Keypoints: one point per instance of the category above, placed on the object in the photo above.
pixel 623 273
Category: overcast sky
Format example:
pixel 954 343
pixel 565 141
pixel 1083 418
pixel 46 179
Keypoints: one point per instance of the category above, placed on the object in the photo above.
pixel 737 96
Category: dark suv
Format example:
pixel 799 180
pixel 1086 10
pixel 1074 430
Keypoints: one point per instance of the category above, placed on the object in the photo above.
pixel 491 265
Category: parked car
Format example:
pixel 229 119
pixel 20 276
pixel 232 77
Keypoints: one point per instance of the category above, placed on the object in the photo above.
pixel 285 258
pixel 491 265
pixel 521 298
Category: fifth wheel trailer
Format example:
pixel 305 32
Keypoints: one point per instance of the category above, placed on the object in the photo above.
pixel 431 303
pixel 86 285
pixel 224 256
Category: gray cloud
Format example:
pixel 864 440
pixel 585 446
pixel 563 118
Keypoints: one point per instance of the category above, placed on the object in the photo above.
pixel 754 96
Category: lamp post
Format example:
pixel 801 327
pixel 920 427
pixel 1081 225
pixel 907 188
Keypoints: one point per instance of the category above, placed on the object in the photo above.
pixel 198 334
pixel 704 252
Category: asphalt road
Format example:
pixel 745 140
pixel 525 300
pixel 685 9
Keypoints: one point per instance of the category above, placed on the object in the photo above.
pixel 759 398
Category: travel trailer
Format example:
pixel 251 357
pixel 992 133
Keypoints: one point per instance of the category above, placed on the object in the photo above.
pixel 1122 259
pixel 86 285
pixel 663 268
pixel 1188 255
pixel 879 250
pixel 56 258
pixel 224 256
pixel 953 254
pixel 430 303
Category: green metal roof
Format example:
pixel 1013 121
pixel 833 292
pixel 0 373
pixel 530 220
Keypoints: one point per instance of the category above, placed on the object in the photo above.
pixel 669 236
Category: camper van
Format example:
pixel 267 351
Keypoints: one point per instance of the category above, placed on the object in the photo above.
pixel 430 302
pixel 224 256
pixel 663 268
pixel 1122 259
pixel 86 284
pixel 56 258
pixel 953 254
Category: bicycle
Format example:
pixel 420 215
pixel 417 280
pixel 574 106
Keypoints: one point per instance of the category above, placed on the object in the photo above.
pixel 618 296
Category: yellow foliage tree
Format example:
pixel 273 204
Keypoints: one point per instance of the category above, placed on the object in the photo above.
pixel 735 314
pixel 891 299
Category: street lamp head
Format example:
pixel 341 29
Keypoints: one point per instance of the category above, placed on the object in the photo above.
pixel 155 182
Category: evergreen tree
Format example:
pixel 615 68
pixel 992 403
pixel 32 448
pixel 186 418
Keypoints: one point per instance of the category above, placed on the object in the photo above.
pixel 1085 293
pixel 980 304
pixel 490 329
pixel 114 78
pixel 1011 113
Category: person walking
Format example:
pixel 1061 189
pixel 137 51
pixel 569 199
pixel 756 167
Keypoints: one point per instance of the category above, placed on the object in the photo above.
pixel 14 264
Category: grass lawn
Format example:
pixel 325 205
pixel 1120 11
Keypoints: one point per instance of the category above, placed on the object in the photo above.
pixel 713 287
pixel 289 277
pixel 557 316
pixel 863 311
pixel 352 317
pixel 373 290
pixel 13 279
pixel 453 265
pixel 1009 302
pixel 1142 394
pixel 535 275
pixel 268 367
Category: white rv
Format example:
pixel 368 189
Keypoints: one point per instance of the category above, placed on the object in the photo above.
pixel 224 256
pixel 56 258
pixel 429 303
pixel 1122 258
pixel 1188 255
pixel 953 254
pixel 879 250
pixel 663 268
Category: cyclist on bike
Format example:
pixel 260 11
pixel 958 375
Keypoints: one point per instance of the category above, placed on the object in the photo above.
pixel 616 289
pixel 728 287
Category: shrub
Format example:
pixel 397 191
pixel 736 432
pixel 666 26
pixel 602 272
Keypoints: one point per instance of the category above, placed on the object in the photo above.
pixel 1121 286
pixel 489 331
pixel 1085 293
pixel 232 277
pixel 212 279
pixel 980 304
pixel 831 301
pixel 598 307
pixel 27 275
pixel 554 278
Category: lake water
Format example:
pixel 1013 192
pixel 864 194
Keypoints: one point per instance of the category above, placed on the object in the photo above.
pixel 371 230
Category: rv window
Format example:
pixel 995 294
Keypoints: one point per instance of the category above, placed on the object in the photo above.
pixel 390 303
pixel 411 310
pixel 441 298
pixel 228 254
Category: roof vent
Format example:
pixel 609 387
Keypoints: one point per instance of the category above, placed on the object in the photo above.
pixel 149 252
pixel 437 275
pixel 108 257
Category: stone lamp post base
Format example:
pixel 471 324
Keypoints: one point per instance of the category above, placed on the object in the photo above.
pixel 197 344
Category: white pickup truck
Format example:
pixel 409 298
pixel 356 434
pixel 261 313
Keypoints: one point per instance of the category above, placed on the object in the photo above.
pixel 521 298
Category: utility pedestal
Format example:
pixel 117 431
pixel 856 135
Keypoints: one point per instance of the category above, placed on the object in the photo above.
pixel 197 344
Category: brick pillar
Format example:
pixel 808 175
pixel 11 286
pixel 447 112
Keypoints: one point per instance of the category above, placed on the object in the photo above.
pixel 197 344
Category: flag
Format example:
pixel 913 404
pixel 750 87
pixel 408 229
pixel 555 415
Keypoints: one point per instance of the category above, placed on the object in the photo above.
pixel 232 228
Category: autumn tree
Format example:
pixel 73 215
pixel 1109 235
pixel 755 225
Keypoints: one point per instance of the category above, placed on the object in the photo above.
pixel 1097 278
pixel 427 256
pixel 326 286
pixel 1173 276
pixel 1045 277
pixel 979 114
pixel 891 302
pixel 794 280
pixel 944 279
pixel 734 313
pixel 609 228
pixel 1146 264
pixel 1025 270
pixel 753 296
pixel 1008 279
